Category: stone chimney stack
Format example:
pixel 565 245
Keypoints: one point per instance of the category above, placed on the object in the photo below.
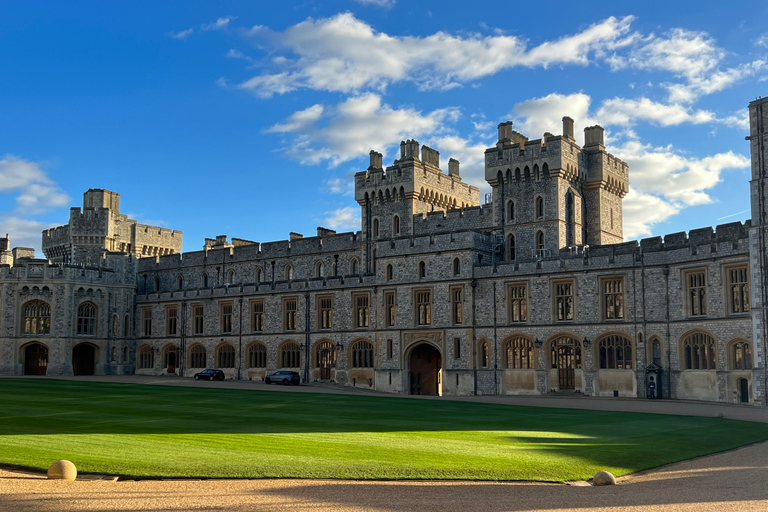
pixel 376 161
pixel 568 127
pixel 402 149
pixel 453 168
pixel 505 131
pixel 295 236
pixel 593 135
pixel 6 258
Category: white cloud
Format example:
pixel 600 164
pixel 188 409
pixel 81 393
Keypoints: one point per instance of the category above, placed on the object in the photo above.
pixel 23 232
pixel 387 4
pixel 37 198
pixel 641 212
pixel 350 129
pixel 182 34
pixel 344 186
pixel 219 24
pixel 18 173
pixel 536 116
pixel 762 40
pixel 342 53
pixel 623 111
pixel 343 218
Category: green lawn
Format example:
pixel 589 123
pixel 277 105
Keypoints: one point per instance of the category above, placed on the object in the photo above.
pixel 164 431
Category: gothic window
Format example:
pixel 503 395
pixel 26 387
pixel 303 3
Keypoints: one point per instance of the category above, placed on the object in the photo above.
pixel 353 267
pixel 422 270
pixel 540 243
pixel 518 302
pixel 226 317
pixel 696 288
pixel 179 282
pixel 390 272
pixel 456 266
pixel 157 284
pixel 361 315
pixel 205 280
pixel 511 211
pixel 485 355
pixel 146 357
pixel 615 353
pixel 375 227
pixel 257 315
pixel 539 207
pixel 457 305
pixel 424 307
pixel 320 269
pixel 197 318
pixel 257 275
pixel 564 301
pixel 197 357
pixel 457 348
pixel 396 225
pixel 127 326
pixel 325 312
pixel 391 311
pixel 570 225
pixel 738 289
pixel 126 354
pixel 656 352
pixel 257 355
pixel 171 314
pixel 742 356
pixel 520 354
pixel 113 355
pixel 699 352
pixel 226 356
pixel 288 272
pixel 37 317
pixel 289 314
pixel 115 326
pixel 231 277
pixel 362 354
pixel 613 298
pixel 86 319
pixel 511 250
pixel 290 355
pixel 146 322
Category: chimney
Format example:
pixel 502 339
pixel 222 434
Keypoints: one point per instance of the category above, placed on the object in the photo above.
pixel 325 231
pixel 376 160
pixel 593 135
pixel 453 168
pixel 505 131
pixel 402 149
pixel 295 236
pixel 568 127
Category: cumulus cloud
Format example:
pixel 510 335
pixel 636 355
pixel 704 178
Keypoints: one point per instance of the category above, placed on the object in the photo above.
pixel 181 34
pixel 623 111
pixel 36 192
pixel 343 218
pixel 641 212
pixel 387 4
pixel 537 116
pixel 219 24
pixel 345 54
pixel 334 134
pixel 23 232
pixel 344 186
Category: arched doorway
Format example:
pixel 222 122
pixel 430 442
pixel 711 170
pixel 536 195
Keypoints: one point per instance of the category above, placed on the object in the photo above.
pixel 743 390
pixel 566 357
pixel 426 369
pixel 326 359
pixel 35 359
pixel 84 359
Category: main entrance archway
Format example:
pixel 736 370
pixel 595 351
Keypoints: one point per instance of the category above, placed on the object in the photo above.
pixel 35 359
pixel 84 359
pixel 426 370
pixel 326 359
pixel 566 357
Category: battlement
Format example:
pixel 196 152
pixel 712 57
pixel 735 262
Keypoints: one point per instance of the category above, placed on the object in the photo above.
pixel 454 220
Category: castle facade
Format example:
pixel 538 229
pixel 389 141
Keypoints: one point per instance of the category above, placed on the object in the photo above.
pixel 532 292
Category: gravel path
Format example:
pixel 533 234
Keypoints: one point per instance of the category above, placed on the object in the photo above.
pixel 731 481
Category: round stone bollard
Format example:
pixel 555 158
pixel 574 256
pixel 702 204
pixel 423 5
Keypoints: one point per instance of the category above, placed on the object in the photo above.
pixel 62 470
pixel 603 478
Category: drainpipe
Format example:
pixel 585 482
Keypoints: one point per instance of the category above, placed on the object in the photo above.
pixel 474 332
pixel 240 340
pixel 306 337
pixel 495 365
pixel 668 378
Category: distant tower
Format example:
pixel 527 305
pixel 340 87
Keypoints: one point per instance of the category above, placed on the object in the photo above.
pixel 550 193
pixel 389 198
pixel 6 256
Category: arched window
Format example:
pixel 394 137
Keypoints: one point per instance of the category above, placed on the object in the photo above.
pixel 157 284
pixel 539 243
pixel 375 227
pixel 615 353
pixel 127 327
pixel 257 355
pixel 362 354
pixel 511 211
pixel 325 353
pixel 699 352
pixel 231 277
pixel 115 326
pixel 86 319
pixel 126 354
pixel 390 272
pixel 197 357
pixel 226 356
pixel 456 266
pixel 146 358
pixel 539 207
pixel 113 355
pixel 205 280
pixel 353 267
pixel 656 352
pixel 484 354
pixel 37 317
pixel 290 355
pixel 742 356
pixel 422 269
pixel 520 354
pixel 257 275
pixel 289 272
pixel 396 225
pixel 511 250
pixel 319 269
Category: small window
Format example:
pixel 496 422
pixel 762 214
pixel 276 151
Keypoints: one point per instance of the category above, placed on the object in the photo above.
pixel 424 307
pixel 205 280
pixel 257 275
pixel 86 319
pixel 456 266
pixel 540 243
pixel 353 267
pixel 511 211
pixel 146 317
pixel 564 301
pixel 539 207
pixel 115 326
pixel 696 288
pixel 157 284
pixel 231 277
pixel 197 318
pixel 422 270
pixel 390 352
pixel 325 312
pixel 289 272
pixel 518 302
pixel 738 289
pixel 171 320
pixel 390 272
pixel 391 310
pixel 396 225
pixel 320 269
pixel 484 354
pixel 511 249
pixel 257 315
pixel 457 348
pixel 362 354
pixel 226 317
pixel 375 227
pixel 127 327
pixel 126 355
pixel 361 312
pixel 613 298
pixel 457 305
pixel 179 282
pixel 289 314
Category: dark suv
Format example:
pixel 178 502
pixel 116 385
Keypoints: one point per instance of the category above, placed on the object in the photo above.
pixel 283 377
pixel 210 374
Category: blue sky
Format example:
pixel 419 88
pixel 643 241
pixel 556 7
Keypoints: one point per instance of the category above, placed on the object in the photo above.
pixel 249 118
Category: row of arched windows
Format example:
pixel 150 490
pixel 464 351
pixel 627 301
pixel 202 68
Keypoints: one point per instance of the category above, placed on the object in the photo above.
pixel 395 227
pixel 511 249
pixel 37 318
pixel 538 209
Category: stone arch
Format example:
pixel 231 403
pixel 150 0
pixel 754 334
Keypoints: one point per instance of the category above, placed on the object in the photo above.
pixel 614 350
pixel 519 352
pixel 170 357
pixel 198 356
pixel 484 354
pixel 324 357
pixel 84 357
pixel 698 350
pixel 225 355
pixel 145 357
pixel 256 355
pixel 360 354
pixel 424 368
pixel 87 318
pixel 35 358
pixel 740 355
pixel 36 317
pixel 289 354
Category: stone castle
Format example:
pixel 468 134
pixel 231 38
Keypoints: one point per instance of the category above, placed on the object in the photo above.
pixel 532 292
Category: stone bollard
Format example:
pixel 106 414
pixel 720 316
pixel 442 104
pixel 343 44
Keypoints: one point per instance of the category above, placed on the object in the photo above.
pixel 603 478
pixel 62 470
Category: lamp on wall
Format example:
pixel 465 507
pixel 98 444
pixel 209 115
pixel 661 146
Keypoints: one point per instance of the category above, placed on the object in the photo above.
pixel 587 342
pixel 339 345
pixel 538 343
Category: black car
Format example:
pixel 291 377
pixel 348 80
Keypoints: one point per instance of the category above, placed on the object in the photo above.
pixel 283 377
pixel 210 374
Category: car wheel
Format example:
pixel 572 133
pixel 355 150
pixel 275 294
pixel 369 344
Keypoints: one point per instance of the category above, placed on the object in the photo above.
pixel 268 381
pixel 285 382
pixel 197 378
pixel 211 378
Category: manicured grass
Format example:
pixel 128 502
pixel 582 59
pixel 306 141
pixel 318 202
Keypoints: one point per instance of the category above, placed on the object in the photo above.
pixel 164 431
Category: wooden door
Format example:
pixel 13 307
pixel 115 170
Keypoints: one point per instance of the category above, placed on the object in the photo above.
pixel 565 371
pixel 326 361
pixel 35 359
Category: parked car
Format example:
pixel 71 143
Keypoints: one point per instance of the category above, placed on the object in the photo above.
pixel 210 374
pixel 283 377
